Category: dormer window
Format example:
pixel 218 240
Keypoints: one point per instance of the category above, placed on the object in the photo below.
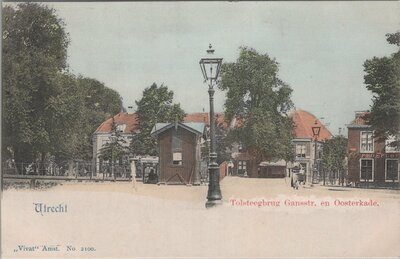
pixel 121 127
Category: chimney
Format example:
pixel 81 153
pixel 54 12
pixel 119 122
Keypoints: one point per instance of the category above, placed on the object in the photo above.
pixel 359 114
pixel 130 110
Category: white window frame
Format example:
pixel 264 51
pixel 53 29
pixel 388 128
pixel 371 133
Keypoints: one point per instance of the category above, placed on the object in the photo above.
pixel 398 171
pixel 387 141
pixel 177 158
pixel 373 142
pixel 373 169
pixel 301 145
pixel 242 166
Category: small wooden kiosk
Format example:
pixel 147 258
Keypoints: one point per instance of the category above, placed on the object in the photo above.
pixel 179 146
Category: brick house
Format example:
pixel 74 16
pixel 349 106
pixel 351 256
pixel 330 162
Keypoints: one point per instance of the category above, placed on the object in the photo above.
pixel 370 160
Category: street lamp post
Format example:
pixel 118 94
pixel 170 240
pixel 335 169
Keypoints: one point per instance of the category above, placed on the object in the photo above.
pixel 113 139
pixel 316 129
pixel 210 67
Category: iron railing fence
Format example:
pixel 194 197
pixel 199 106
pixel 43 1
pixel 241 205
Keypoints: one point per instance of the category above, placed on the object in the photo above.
pixel 76 169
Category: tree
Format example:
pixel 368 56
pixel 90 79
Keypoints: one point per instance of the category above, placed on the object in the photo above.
pixel 100 103
pixel 34 54
pixel 261 100
pixel 223 148
pixel 46 111
pixel 93 104
pixel 334 155
pixel 116 149
pixel 155 106
pixel 383 80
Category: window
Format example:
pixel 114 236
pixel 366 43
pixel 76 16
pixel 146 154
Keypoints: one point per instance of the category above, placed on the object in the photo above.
pixel 241 167
pixel 301 150
pixel 177 158
pixel 121 127
pixel 367 141
pixel 392 169
pixel 176 148
pixel 389 148
pixel 366 169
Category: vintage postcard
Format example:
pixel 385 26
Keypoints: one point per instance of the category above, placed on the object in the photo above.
pixel 200 129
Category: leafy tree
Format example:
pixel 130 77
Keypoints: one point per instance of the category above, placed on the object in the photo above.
pixel 257 96
pixel 223 148
pixel 100 104
pixel 45 110
pixel 94 103
pixel 155 106
pixel 34 54
pixel 383 80
pixel 334 155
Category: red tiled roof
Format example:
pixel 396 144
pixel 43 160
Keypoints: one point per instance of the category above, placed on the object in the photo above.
pixel 197 117
pixel 131 120
pixel 304 121
pixel 204 117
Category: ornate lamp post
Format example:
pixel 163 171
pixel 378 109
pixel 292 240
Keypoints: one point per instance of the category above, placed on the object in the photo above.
pixel 316 129
pixel 210 67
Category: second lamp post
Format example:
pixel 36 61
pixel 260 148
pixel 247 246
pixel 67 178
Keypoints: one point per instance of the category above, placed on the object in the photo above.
pixel 316 129
pixel 210 67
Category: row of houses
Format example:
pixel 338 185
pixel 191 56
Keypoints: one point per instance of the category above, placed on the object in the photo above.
pixel 369 160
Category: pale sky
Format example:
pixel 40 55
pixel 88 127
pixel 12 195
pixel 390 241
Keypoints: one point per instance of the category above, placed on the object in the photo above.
pixel 320 46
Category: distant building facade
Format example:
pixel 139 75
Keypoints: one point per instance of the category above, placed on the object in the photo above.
pixel 370 160
pixel 304 144
pixel 127 123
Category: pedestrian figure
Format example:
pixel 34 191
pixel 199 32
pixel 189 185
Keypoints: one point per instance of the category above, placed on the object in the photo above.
pixel 295 179
pixel 230 167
